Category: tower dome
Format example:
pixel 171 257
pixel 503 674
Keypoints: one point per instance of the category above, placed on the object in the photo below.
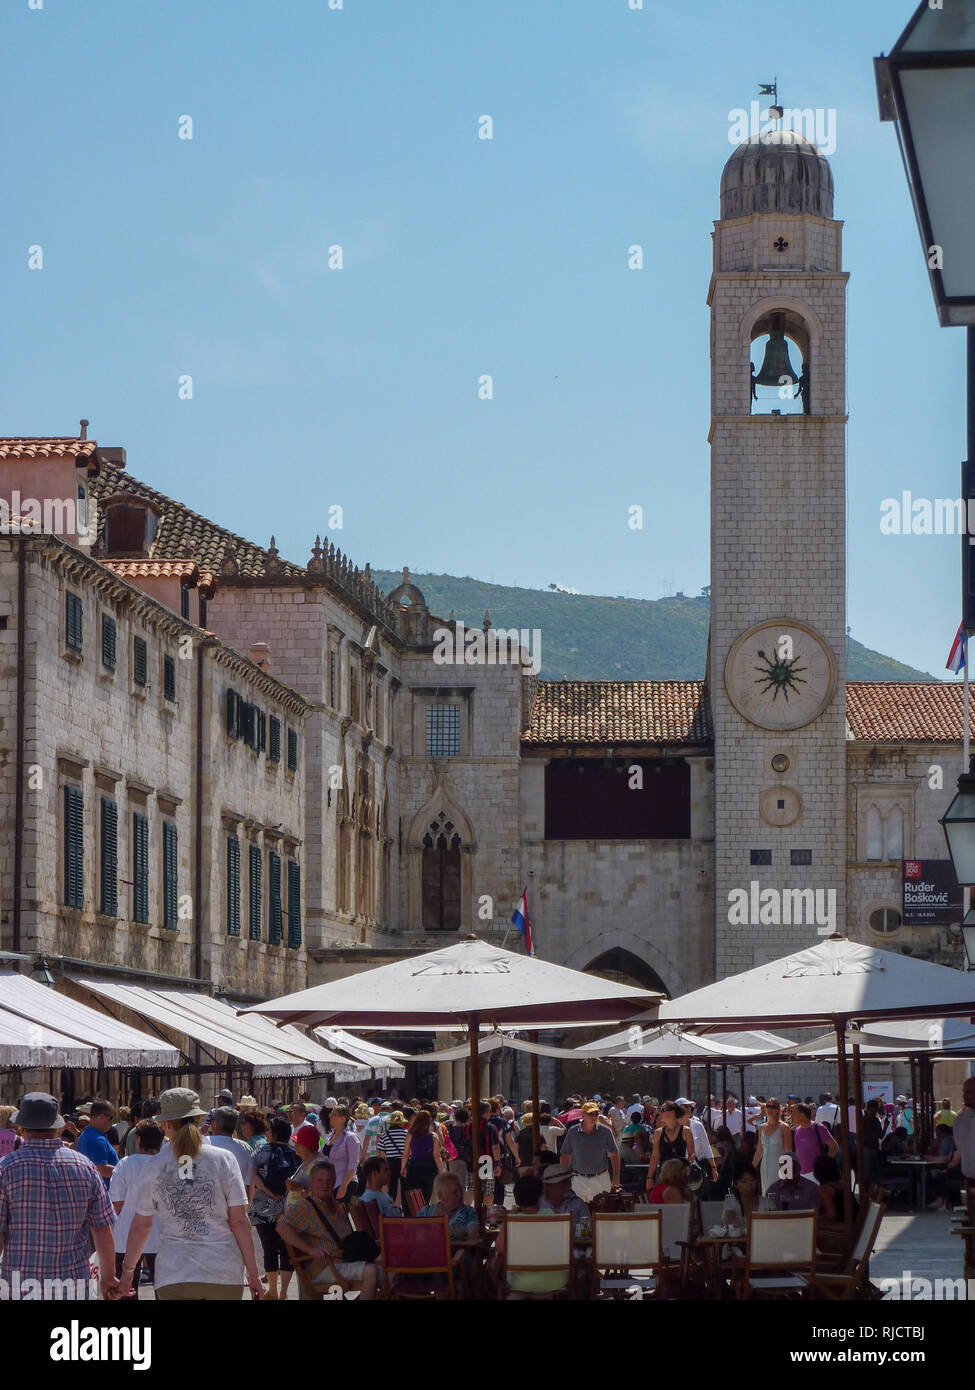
pixel 780 171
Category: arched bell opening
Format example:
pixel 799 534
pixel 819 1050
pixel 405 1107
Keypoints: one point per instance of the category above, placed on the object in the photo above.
pixel 780 365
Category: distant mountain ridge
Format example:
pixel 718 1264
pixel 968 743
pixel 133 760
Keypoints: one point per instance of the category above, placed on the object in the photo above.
pixel 592 637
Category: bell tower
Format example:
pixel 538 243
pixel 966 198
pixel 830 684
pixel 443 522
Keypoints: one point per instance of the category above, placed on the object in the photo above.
pixel 778 553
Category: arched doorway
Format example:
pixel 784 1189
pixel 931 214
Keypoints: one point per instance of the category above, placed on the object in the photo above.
pixel 609 1077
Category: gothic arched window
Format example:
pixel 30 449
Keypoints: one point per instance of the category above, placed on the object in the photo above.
pixel 441 877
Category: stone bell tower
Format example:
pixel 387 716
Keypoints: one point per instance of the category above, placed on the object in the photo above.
pixel 778 553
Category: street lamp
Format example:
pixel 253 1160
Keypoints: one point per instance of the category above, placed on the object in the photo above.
pixel 968 936
pixel 41 973
pixel 926 86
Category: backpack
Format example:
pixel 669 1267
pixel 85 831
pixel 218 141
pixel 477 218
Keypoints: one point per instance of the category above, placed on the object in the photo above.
pixel 279 1164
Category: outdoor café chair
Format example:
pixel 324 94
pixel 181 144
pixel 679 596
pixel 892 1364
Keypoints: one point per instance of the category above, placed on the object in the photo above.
pixel 675 1234
pixel 416 1257
pixel 413 1200
pixel 365 1217
pixel 538 1245
pixel 780 1254
pixel 627 1253
pixel 851 1281
pixel 316 1291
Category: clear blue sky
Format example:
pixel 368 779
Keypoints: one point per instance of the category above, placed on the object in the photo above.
pixel 358 387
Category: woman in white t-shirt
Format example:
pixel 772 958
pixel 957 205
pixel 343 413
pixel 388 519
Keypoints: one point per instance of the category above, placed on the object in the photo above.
pixel 123 1191
pixel 197 1196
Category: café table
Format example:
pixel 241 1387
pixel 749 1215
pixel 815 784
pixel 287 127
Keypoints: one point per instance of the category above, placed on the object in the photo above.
pixel 709 1248
pixel 919 1169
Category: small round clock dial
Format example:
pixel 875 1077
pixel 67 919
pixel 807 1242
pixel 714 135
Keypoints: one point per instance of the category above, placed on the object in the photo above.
pixel 780 674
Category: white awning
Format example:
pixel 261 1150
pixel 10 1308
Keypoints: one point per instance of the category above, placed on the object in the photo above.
pixel 27 1044
pixel 120 1045
pixel 380 1060
pixel 255 1041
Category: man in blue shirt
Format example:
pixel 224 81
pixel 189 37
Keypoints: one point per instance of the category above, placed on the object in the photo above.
pixel 92 1141
pixel 375 1175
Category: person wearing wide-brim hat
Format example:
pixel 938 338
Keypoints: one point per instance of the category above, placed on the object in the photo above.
pixel 197 1196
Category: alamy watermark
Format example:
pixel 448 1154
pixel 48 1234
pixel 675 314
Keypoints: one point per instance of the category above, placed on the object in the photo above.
pixel 908 515
pixel 458 645
pixel 817 125
pixel 756 906
pixel 60 516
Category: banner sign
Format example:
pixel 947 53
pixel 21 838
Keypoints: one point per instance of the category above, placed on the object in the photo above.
pixel 932 895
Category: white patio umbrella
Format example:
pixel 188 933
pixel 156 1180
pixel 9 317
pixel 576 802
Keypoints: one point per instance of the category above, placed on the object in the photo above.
pixel 462 987
pixel 834 983
pixel 671 1044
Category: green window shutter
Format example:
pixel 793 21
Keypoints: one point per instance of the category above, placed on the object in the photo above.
pixel 108 642
pixel 72 621
pixel 109 858
pixel 261 743
pixel 248 724
pixel 74 847
pixel 232 713
pixel 294 905
pixel 140 867
pixel 170 876
pixel 139 661
pixel 274 928
pixel 169 678
pixel 233 886
pixel 274 740
pixel 254 878
pixel 292 751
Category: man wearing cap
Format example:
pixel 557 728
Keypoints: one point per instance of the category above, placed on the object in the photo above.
pixel 753 1113
pixel 53 1207
pixel 559 1199
pixel 591 1150
pixel 93 1140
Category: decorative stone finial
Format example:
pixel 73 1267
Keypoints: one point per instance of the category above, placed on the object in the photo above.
pixel 228 564
pixel 316 564
pixel 487 620
pixel 273 560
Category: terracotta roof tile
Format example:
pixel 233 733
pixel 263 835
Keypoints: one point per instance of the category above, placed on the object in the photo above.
pixel 608 712
pixel 904 711
pixel 20 447
pixel 153 569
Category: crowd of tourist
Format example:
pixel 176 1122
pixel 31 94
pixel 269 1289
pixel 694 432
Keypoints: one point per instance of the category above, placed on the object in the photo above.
pixel 203 1203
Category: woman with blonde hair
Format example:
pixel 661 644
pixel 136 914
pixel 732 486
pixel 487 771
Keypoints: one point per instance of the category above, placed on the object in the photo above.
pixel 392 1142
pixel 197 1196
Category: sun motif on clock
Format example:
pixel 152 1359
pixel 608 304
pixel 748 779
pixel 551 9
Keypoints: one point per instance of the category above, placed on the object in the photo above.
pixel 780 674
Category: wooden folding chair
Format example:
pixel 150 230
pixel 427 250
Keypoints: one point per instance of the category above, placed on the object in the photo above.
pixel 365 1217
pixel 316 1292
pixel 780 1254
pixel 538 1245
pixel 851 1281
pixel 627 1253
pixel 413 1201
pixel 416 1257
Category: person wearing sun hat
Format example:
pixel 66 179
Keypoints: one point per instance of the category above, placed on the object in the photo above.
pixel 197 1196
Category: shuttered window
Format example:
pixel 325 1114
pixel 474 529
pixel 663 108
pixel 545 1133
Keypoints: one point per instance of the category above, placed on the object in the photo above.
pixel 274 740
pixel 140 867
pixel 294 905
pixel 109 858
pixel 292 751
pixel 108 642
pixel 233 700
pixel 72 621
pixel 140 664
pixel 169 678
pixel 184 601
pixel 74 847
pixel 254 881
pixel 261 742
pixel 274 929
pixel 170 876
pixel 233 886
pixel 248 724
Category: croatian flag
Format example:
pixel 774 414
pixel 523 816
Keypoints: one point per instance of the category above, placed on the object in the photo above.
pixel 958 653
pixel 523 922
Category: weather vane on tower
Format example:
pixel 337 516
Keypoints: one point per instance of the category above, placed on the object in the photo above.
pixel 771 89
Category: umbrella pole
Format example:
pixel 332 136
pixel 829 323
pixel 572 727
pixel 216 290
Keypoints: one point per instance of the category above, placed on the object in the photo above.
pixel 844 1122
pixel 724 1093
pixel 536 1138
pixel 741 1103
pixel 472 1024
pixel 858 1104
pixel 707 1094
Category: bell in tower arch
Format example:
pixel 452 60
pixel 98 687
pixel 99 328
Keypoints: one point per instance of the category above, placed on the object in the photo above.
pixel 776 364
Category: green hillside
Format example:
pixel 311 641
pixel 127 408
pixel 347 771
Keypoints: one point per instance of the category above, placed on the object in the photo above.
pixel 590 637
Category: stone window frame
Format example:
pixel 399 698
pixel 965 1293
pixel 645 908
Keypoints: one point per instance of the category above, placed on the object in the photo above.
pixel 424 697
pixel 885 797
pixel 421 822
pixel 68 652
pixel 884 904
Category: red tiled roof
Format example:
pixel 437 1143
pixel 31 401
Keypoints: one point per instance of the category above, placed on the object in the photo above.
pixel 905 711
pixel 608 712
pixel 20 447
pixel 153 569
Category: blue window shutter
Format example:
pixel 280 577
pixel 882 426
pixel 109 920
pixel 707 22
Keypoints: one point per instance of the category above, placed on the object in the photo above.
pixel 275 926
pixel 170 876
pixel 233 886
pixel 108 642
pixel 254 877
pixel 294 905
pixel 109 858
pixel 140 867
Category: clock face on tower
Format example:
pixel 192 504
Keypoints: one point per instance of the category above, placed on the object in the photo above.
pixel 780 674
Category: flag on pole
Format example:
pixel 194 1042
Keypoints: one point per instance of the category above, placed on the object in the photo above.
pixel 959 652
pixel 522 921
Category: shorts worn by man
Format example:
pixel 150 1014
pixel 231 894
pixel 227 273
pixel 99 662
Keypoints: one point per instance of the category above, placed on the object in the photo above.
pixel 590 1148
pixel 53 1207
